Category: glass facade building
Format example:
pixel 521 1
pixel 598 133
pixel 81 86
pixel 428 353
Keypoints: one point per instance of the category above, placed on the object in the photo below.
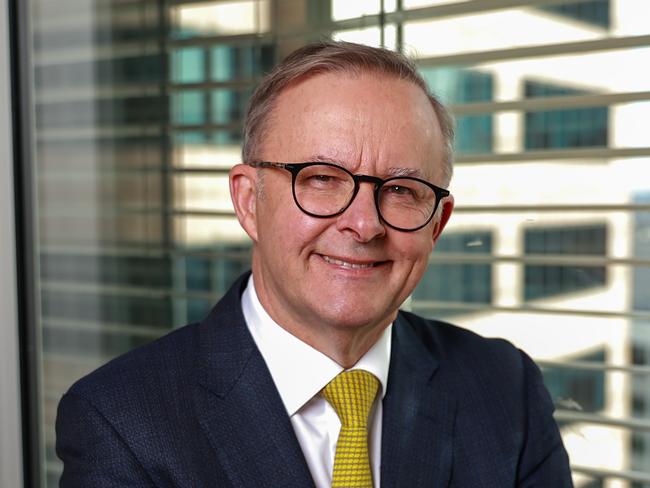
pixel 128 116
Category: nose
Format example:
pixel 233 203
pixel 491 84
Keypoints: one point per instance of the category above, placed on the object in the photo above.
pixel 361 218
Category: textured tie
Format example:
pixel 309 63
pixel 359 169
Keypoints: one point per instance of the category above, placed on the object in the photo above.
pixel 351 394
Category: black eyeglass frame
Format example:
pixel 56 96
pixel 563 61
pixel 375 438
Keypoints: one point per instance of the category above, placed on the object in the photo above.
pixel 295 168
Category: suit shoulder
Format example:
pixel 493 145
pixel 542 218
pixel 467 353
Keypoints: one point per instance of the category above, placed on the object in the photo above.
pixel 452 339
pixel 466 353
pixel 163 359
pixel 490 372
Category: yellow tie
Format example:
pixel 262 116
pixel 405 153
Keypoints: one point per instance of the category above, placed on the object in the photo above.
pixel 351 394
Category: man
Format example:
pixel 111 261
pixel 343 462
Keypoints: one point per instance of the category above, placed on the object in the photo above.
pixel 305 373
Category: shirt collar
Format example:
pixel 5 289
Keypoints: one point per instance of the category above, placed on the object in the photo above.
pixel 298 370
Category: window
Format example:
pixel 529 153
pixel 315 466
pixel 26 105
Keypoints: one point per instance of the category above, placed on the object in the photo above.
pixel 458 282
pixel 457 86
pixel 595 12
pixel 557 129
pixel 641 296
pixel 582 390
pixel 549 280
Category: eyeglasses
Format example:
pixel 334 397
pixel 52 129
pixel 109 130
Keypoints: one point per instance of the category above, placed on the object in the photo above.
pixel 326 190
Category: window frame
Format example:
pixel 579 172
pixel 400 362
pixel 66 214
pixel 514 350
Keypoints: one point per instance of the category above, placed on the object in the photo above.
pixel 11 441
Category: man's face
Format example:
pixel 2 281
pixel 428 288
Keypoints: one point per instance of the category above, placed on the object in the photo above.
pixel 348 271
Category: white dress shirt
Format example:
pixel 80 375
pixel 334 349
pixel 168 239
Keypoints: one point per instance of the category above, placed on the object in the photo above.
pixel 300 372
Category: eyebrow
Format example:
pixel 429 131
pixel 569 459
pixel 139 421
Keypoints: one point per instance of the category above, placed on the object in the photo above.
pixel 414 172
pixel 325 159
pixel 392 171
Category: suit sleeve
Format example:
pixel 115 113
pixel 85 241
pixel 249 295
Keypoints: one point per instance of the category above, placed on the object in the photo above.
pixel 544 461
pixel 92 452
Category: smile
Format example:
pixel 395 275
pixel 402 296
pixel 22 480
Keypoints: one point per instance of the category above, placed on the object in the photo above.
pixel 346 264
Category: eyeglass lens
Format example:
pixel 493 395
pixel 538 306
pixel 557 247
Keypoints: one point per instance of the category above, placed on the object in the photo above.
pixel 325 190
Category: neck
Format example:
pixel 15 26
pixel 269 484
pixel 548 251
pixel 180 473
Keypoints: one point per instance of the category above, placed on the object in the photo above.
pixel 343 342
pixel 345 348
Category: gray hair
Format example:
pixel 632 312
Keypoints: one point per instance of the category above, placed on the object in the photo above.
pixel 338 57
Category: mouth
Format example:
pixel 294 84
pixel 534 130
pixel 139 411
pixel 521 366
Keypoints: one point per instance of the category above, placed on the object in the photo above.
pixel 350 264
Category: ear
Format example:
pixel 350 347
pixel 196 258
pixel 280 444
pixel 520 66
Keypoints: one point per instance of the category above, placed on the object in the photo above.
pixel 447 205
pixel 243 192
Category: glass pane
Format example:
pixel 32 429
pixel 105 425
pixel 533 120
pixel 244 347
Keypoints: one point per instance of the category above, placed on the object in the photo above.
pixel 207 149
pixel 188 65
pixel 483 31
pixel 127 249
pixel 228 106
pixel 202 192
pixel 409 4
pixel 220 18
pixel 344 9
pixel 188 107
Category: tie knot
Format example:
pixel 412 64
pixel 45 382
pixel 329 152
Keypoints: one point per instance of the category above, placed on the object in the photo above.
pixel 351 394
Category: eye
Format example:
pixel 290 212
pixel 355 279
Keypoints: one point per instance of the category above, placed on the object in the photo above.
pixel 398 190
pixel 322 178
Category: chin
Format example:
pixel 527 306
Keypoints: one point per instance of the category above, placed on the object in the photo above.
pixel 352 316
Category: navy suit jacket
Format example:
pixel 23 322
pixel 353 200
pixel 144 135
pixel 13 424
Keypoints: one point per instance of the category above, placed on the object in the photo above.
pixel 198 408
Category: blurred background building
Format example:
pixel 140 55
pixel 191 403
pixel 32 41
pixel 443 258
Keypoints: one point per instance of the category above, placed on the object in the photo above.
pixel 128 116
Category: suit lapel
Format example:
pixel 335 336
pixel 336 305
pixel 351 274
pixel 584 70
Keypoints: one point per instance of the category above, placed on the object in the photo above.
pixel 238 405
pixel 418 418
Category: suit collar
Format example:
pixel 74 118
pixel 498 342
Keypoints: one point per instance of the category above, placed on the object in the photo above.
pixel 225 345
pixel 238 405
pixel 419 412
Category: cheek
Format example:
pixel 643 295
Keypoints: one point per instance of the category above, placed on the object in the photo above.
pixel 414 256
pixel 287 232
pixel 414 248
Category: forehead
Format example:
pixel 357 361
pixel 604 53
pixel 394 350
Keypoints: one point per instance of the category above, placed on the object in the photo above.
pixel 369 121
